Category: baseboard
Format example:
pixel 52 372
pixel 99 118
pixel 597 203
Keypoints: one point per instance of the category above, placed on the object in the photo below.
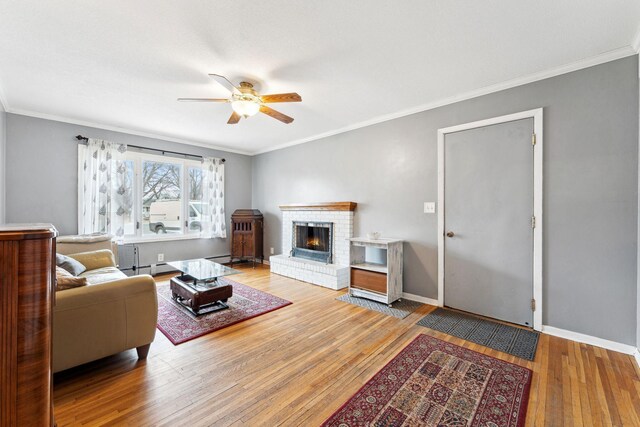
pixel 636 354
pixel 418 298
pixel 588 339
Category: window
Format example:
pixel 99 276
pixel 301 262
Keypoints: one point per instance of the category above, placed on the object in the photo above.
pixel 161 197
pixel 196 207
pixel 137 196
pixel 166 197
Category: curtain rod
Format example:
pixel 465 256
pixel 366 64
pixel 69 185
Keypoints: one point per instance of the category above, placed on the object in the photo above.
pixel 85 139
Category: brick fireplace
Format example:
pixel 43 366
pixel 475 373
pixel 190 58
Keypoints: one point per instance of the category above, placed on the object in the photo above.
pixel 315 243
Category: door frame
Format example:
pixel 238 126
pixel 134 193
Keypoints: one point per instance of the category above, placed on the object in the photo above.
pixel 537 116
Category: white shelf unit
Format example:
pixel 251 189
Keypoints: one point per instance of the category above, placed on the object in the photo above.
pixel 376 269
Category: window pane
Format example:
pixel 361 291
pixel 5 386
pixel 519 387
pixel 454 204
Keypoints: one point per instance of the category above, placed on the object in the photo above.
pixel 195 200
pixel 161 198
pixel 127 203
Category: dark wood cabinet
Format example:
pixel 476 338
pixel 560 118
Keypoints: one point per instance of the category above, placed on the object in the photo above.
pixel 27 292
pixel 247 226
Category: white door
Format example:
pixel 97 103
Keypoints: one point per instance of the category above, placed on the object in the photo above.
pixel 488 213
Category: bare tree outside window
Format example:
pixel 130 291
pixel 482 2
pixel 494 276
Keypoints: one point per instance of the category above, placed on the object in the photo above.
pixel 195 184
pixel 160 181
pixel 161 197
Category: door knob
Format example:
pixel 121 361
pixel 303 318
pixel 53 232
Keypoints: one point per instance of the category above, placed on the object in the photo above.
pixel 450 234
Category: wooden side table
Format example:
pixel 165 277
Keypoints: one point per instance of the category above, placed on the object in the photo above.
pixel 376 269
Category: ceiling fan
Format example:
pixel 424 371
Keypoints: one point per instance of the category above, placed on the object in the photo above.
pixel 246 102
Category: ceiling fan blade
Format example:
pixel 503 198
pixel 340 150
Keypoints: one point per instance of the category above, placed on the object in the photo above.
pixel 275 114
pixel 223 81
pixel 235 118
pixel 203 99
pixel 281 97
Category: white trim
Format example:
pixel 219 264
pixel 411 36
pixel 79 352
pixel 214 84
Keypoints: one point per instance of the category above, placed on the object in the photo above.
pixel 636 355
pixel 4 106
pixel 418 298
pixel 519 81
pixel 591 340
pixel 537 115
pixel 124 130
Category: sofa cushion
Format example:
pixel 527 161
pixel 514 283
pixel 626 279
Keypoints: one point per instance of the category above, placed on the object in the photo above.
pixel 104 274
pixel 70 264
pixel 66 280
pixel 95 259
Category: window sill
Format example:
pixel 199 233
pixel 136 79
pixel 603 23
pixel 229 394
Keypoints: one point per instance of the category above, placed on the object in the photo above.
pixel 152 239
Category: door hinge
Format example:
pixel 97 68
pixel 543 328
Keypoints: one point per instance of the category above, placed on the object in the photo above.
pixel 533 139
pixel 533 222
pixel 533 304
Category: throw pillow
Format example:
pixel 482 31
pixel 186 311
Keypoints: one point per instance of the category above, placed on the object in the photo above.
pixel 71 265
pixel 66 280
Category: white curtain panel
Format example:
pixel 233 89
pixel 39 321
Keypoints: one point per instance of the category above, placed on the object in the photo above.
pixel 101 191
pixel 213 224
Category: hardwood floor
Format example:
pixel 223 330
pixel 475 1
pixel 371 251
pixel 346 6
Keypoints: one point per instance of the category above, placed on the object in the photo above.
pixel 295 366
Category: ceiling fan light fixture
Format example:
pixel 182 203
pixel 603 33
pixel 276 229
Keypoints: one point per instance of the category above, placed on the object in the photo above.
pixel 245 108
pixel 246 101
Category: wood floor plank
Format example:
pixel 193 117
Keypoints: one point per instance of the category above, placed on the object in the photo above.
pixel 295 366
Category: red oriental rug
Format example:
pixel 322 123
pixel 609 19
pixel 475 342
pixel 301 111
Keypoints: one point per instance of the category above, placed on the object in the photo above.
pixel 435 383
pixel 180 325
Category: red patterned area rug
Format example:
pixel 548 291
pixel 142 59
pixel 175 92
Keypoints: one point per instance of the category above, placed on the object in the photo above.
pixel 179 325
pixel 435 383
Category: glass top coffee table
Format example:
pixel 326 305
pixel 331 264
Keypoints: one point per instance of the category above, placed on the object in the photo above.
pixel 197 288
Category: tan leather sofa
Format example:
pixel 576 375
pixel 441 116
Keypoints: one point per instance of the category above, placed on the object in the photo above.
pixel 113 313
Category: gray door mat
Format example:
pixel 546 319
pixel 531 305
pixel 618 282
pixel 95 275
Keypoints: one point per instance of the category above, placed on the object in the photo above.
pixel 508 339
pixel 400 309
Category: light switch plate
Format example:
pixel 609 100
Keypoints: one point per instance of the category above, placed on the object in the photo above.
pixel 429 207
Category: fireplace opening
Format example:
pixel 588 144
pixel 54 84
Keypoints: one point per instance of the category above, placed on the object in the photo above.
pixel 312 240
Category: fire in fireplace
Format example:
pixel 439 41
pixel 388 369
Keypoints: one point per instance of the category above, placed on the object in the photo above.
pixel 312 240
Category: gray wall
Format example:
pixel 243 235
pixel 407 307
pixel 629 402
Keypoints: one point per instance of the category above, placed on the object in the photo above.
pixel 42 181
pixel 590 189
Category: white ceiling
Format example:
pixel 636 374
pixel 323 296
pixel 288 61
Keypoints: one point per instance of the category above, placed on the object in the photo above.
pixel 122 64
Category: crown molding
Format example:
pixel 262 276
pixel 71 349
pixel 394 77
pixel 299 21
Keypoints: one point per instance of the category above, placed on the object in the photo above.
pixel 552 72
pixel 636 41
pixel 124 130
pixel 3 101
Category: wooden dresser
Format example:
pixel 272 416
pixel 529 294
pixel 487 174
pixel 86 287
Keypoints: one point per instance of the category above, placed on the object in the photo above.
pixel 247 226
pixel 27 281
